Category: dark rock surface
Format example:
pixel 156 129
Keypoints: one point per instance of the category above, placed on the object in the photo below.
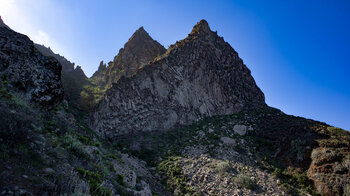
pixel 199 76
pixel 2 24
pixel 38 76
pixel 138 51
pixel 73 78
pixel 67 66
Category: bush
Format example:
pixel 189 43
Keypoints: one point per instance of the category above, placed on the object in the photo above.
pixel 223 167
pixel 75 146
pixel 176 180
pixel 245 182
pixel 94 179
pixel 15 125
pixel 120 179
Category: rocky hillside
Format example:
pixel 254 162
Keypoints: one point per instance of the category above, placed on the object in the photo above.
pixel 46 148
pixel 199 76
pixel 27 70
pixel 257 151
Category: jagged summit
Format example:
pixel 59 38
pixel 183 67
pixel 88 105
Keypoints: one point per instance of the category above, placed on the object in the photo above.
pixel 140 33
pixel 101 70
pixel 139 40
pixel 202 27
pixel 139 50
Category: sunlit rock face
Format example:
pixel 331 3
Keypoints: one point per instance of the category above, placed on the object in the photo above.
pixel 199 76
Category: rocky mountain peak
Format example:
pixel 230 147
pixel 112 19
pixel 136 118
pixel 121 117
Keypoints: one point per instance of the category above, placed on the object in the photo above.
pixel 202 27
pixel 101 70
pixel 195 78
pixel 140 40
pixel 140 33
pixel 138 51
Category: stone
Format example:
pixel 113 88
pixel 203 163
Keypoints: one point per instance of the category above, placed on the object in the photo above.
pixel 49 170
pixel 228 141
pixel 240 129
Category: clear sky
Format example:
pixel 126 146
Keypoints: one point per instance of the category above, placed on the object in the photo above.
pixel 298 51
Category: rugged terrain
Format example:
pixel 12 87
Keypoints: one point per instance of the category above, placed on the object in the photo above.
pixel 28 70
pixel 198 76
pixel 73 78
pixel 189 120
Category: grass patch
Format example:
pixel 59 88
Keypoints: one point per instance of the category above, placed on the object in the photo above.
pixel 94 179
pixel 176 180
pixel 75 146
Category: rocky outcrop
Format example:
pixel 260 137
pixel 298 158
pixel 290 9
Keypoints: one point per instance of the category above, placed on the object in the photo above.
pixel 101 70
pixel 67 66
pixel 137 52
pixel 199 76
pixel 28 71
pixel 73 78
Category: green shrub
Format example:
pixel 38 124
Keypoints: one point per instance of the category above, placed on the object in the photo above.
pixel 176 180
pixel 4 92
pixel 112 156
pixel 50 126
pixel 223 167
pixel 245 182
pixel 94 179
pixel 75 146
pixel 120 179
pixel 88 140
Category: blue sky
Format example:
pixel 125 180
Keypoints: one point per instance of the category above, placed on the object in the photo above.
pixel 297 50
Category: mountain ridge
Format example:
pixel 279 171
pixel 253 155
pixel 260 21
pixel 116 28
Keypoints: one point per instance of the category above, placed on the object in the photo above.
pixel 186 121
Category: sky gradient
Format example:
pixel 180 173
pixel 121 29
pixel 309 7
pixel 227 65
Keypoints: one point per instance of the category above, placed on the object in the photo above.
pixel 297 50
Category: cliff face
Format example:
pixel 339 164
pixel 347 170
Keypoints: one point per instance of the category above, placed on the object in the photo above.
pixel 199 76
pixel 27 70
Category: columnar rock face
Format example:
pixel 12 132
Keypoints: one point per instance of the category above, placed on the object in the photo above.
pixel 28 70
pixel 199 76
